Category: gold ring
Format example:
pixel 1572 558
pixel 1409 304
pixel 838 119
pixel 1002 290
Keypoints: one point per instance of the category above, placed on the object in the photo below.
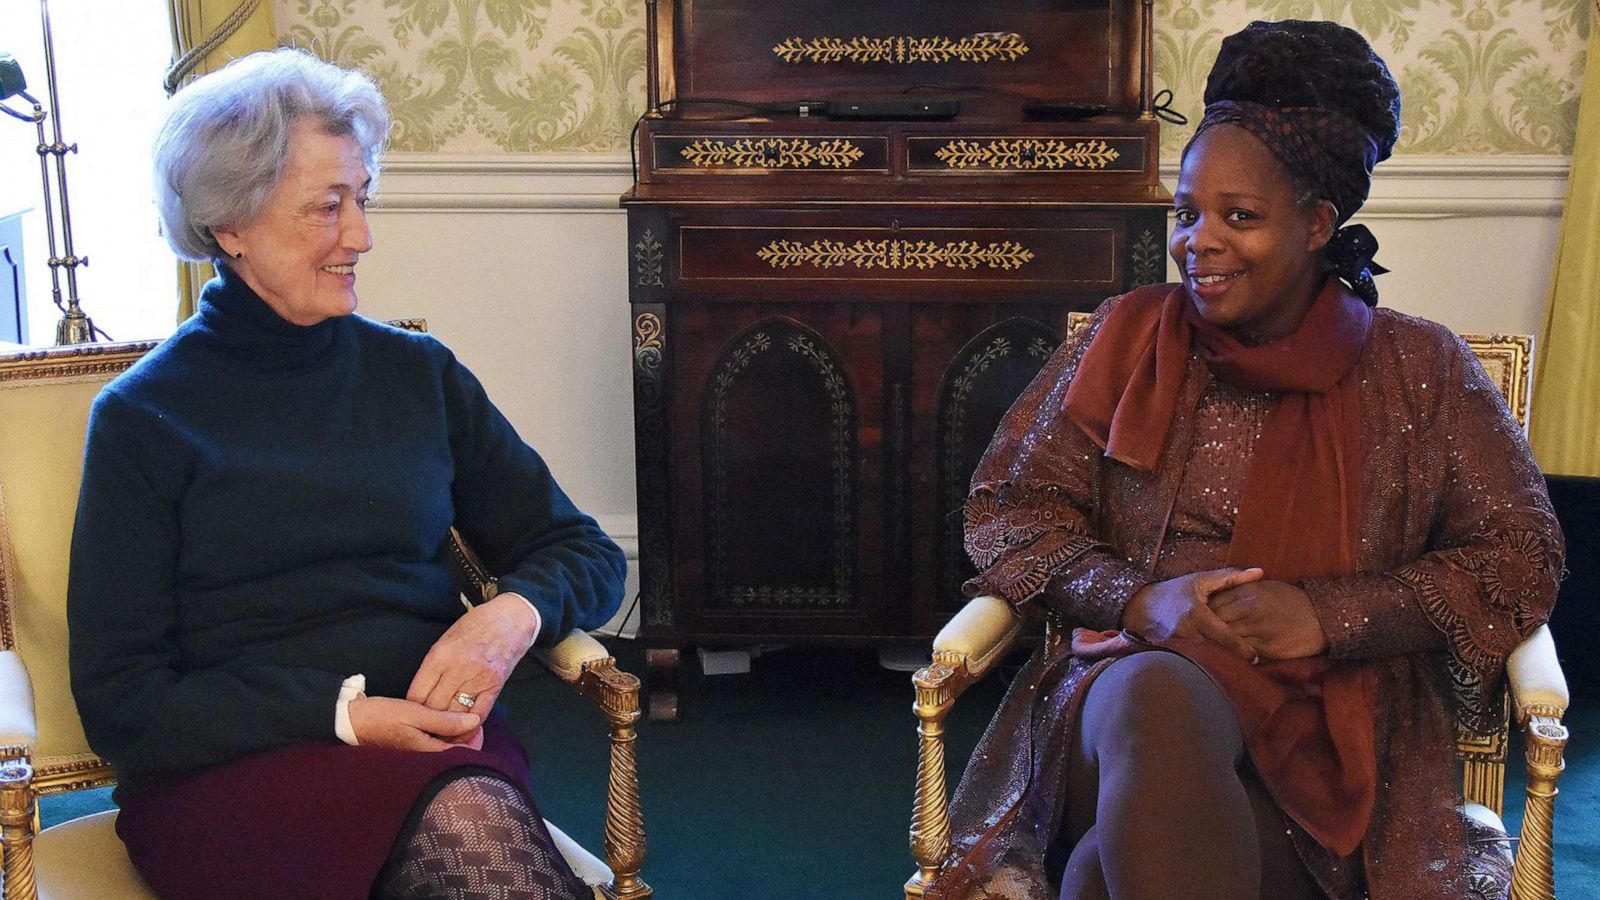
pixel 465 699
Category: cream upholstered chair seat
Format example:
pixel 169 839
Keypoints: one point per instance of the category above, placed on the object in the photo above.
pixel 59 852
pixel 987 628
pixel 45 397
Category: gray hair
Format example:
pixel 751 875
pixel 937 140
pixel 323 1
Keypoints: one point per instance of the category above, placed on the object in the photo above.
pixel 225 141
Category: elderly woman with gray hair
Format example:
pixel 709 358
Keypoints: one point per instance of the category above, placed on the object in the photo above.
pixel 266 642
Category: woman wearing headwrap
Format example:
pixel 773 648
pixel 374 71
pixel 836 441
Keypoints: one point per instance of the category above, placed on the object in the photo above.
pixel 1286 522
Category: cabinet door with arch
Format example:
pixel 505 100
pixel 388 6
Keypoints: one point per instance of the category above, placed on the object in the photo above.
pixel 776 461
pixel 968 367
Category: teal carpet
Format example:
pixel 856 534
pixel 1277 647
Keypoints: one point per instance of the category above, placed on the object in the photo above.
pixel 794 782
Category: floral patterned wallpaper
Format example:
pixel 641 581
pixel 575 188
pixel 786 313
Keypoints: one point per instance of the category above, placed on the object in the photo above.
pixel 527 76
pixel 488 76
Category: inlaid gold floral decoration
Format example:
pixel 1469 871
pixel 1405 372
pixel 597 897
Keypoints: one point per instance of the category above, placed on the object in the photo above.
pixel 896 254
pixel 1027 154
pixel 772 153
pixel 902 49
pixel 647 332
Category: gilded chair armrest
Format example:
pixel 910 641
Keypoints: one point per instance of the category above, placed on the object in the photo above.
pixel 1540 693
pixel 978 635
pixel 1537 683
pixel 583 662
pixel 966 648
pixel 18 734
pixel 567 658
pixel 18 727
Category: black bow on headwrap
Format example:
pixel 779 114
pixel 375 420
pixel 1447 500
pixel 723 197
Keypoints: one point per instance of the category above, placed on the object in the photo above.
pixel 1349 254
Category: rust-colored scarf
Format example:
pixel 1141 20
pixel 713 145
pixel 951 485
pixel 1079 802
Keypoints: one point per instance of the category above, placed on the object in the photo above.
pixel 1307 722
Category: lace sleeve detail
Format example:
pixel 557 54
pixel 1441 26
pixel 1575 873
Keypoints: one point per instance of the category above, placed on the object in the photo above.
pixel 1487 596
pixel 1498 555
pixel 1367 616
pixel 1031 540
pixel 1028 518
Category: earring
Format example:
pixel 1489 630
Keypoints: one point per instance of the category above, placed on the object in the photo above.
pixel 238 254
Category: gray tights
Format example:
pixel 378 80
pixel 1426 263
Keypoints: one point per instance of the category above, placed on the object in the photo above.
pixel 1160 800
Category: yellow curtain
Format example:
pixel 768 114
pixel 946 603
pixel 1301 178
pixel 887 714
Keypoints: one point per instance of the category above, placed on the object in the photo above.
pixel 1566 411
pixel 206 34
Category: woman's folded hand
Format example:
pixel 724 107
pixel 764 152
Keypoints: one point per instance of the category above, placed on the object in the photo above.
pixel 1275 617
pixel 1178 608
pixel 475 656
pixel 404 725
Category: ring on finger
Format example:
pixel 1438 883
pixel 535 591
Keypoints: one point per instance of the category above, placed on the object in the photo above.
pixel 466 700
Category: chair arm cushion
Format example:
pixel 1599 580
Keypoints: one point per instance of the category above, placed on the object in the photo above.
pixel 1485 816
pixel 1535 673
pixel 566 659
pixel 17 725
pixel 982 632
pixel 588 867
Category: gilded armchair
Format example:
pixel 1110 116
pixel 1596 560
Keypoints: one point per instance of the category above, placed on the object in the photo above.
pixel 988 627
pixel 44 404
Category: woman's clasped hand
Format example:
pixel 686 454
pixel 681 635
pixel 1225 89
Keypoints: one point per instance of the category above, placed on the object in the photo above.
pixel 474 656
pixel 1236 609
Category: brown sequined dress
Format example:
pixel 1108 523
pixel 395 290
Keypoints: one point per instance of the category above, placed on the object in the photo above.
pixel 1460 555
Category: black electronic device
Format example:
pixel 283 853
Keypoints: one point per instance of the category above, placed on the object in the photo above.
pixel 893 108
pixel 1061 111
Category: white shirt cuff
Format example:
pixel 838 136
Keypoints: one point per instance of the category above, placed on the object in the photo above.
pixel 538 620
pixel 353 687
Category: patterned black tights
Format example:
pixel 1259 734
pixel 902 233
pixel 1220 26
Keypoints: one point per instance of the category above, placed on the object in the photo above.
pixel 478 838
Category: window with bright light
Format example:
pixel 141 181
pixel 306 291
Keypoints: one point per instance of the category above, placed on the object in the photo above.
pixel 110 62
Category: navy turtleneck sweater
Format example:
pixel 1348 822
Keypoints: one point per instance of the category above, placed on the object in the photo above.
pixel 265 511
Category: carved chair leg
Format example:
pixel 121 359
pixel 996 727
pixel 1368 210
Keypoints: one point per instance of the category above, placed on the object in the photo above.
pixel 618 694
pixel 16 829
pixel 1533 875
pixel 930 814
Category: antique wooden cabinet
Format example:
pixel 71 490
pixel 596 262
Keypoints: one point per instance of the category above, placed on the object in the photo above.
pixel 831 314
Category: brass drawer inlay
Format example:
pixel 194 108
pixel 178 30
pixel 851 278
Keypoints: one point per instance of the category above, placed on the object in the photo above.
pixel 772 153
pixel 975 48
pixel 896 254
pixel 1027 154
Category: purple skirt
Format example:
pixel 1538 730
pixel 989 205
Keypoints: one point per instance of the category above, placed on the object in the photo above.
pixel 309 820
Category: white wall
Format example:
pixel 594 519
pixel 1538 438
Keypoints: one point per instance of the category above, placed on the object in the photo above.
pixel 519 264
pixel 1470 240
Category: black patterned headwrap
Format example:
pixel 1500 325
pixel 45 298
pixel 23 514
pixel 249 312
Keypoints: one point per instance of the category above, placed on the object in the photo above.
pixel 1326 106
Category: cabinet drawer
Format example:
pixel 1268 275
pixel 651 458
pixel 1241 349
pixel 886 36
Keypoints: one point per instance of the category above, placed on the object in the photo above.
pixel 1078 257
pixel 1065 155
pixel 774 155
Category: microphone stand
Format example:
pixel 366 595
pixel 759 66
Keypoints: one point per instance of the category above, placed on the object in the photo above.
pixel 74 327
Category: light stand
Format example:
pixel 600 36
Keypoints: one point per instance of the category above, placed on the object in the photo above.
pixel 74 327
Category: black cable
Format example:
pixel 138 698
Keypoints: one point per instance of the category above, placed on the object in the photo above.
pixel 633 147
pixel 1161 107
pixel 629 614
